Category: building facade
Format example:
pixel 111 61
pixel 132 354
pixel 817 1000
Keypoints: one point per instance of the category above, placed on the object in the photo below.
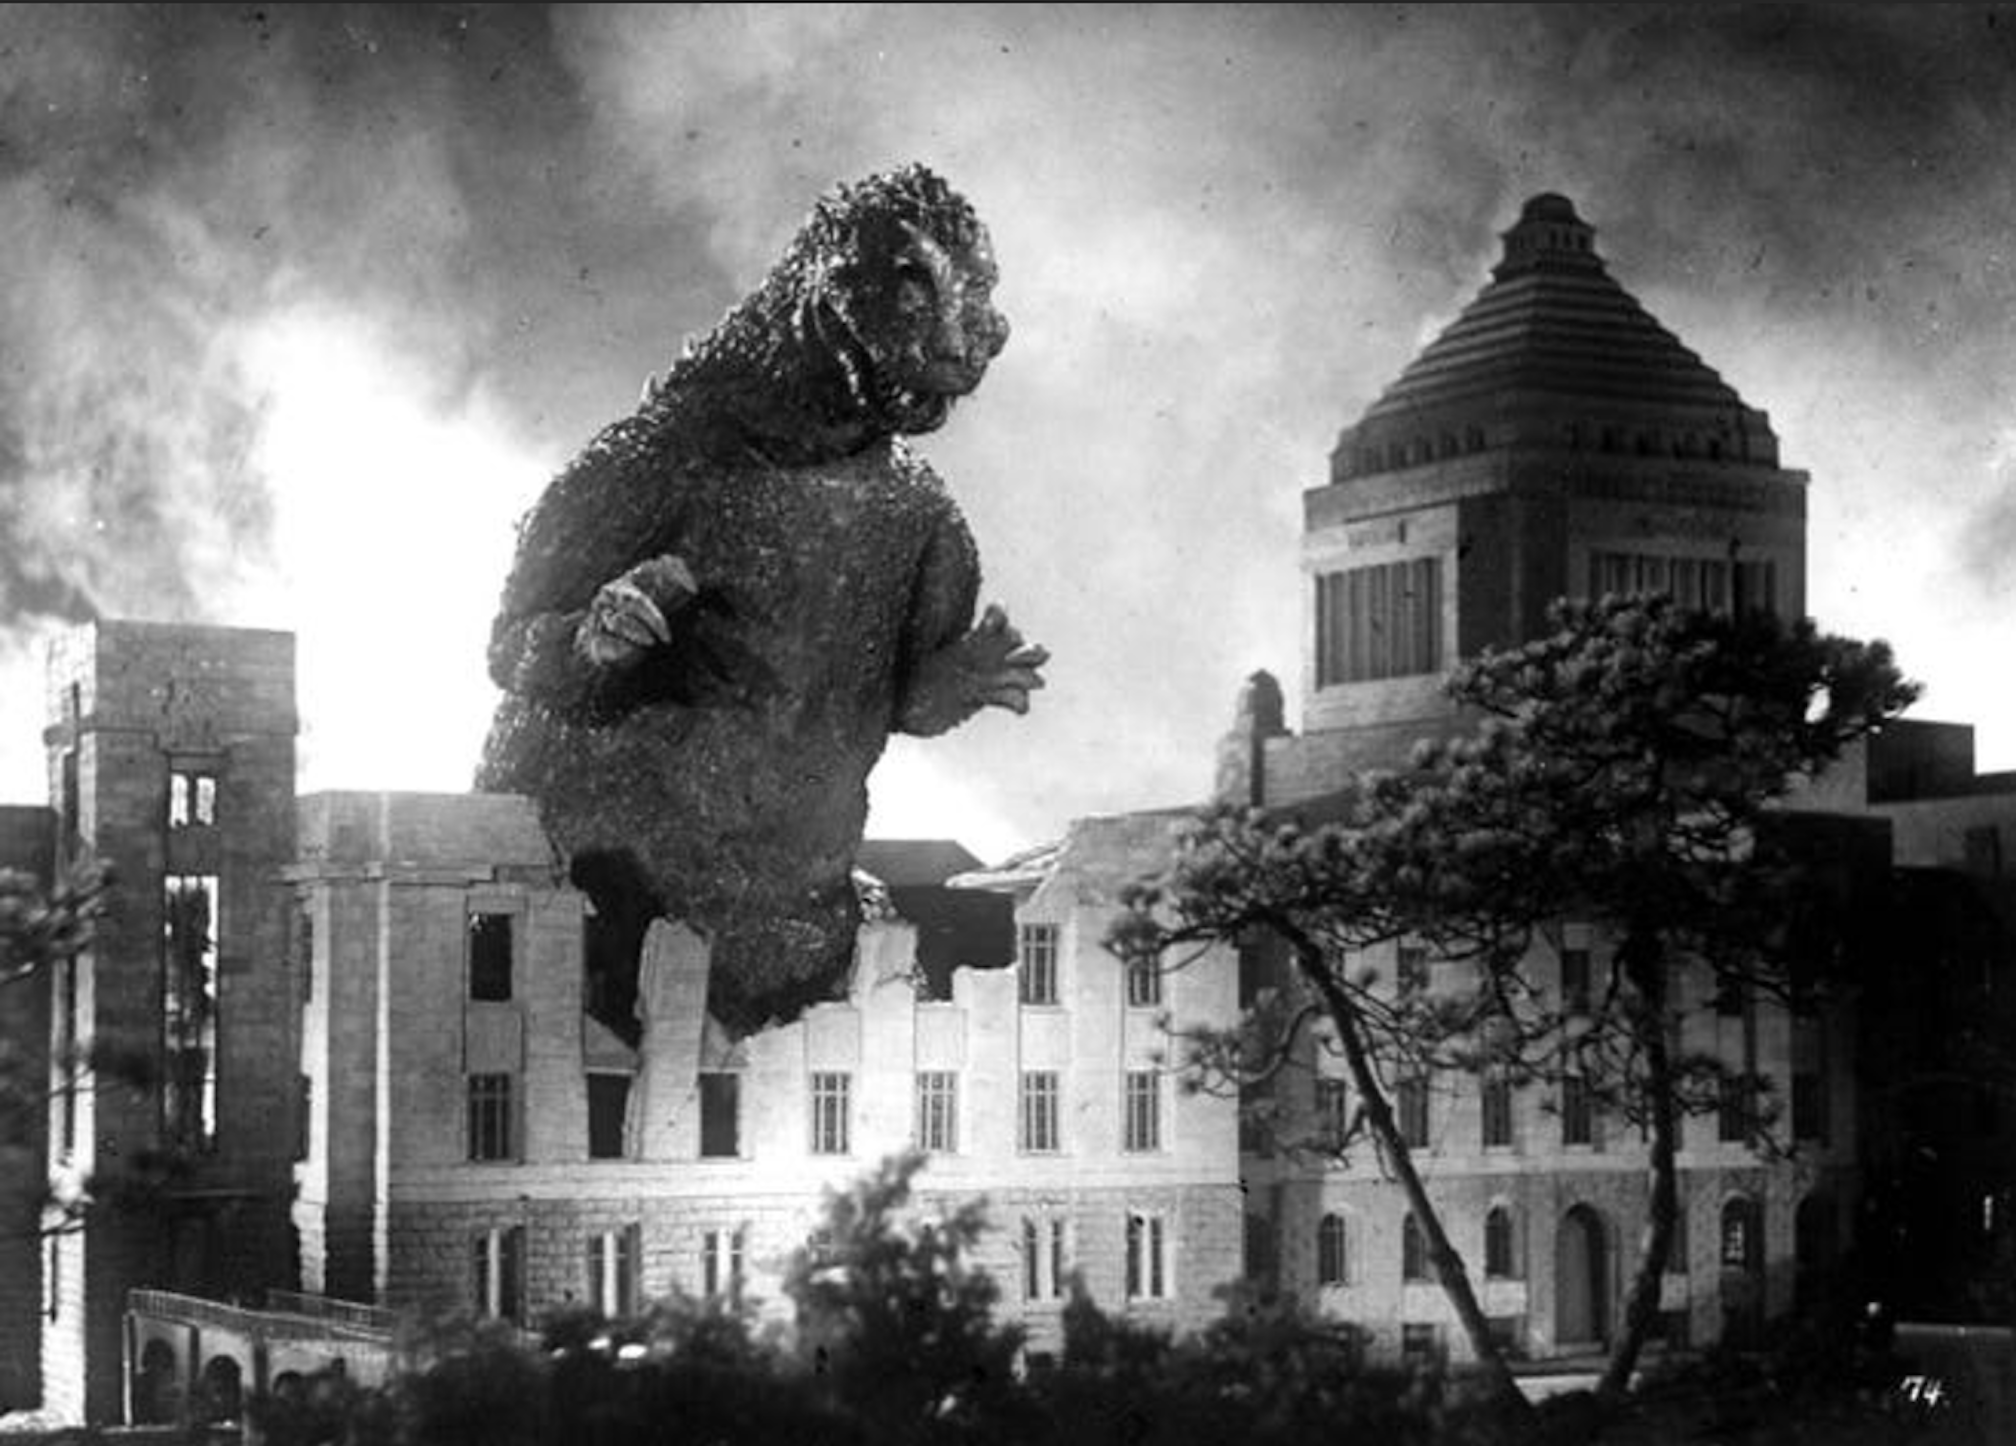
pixel 395 1068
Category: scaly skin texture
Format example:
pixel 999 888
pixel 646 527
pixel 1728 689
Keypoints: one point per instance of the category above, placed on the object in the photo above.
pixel 721 609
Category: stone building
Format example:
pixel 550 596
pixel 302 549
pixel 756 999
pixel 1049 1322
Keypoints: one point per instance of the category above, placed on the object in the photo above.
pixel 479 1140
pixel 1554 441
pixel 389 1070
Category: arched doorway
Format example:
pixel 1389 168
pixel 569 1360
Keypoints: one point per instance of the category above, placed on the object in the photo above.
pixel 222 1390
pixel 157 1388
pixel 1581 1281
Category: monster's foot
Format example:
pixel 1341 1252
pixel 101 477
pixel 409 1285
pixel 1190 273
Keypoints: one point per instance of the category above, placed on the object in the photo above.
pixel 631 614
pixel 991 667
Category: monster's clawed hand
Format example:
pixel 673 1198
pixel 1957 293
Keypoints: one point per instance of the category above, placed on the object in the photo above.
pixel 631 614
pixel 991 667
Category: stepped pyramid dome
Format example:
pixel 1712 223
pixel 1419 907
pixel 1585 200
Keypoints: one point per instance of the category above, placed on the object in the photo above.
pixel 1554 352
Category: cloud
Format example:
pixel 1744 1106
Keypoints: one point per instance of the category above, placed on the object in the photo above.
pixel 1223 230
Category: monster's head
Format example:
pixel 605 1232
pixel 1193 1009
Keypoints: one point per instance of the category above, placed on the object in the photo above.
pixel 895 278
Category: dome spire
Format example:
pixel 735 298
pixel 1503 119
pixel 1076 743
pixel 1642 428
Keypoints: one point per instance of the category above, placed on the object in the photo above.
pixel 1549 236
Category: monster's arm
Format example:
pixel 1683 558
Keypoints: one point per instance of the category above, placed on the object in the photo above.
pixel 593 581
pixel 951 670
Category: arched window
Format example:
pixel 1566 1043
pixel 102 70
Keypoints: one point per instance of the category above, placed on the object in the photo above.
pixel 1499 1260
pixel 1413 1249
pixel 1333 1260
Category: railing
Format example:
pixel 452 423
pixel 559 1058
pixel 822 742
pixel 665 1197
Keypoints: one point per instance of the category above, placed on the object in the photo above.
pixel 289 1316
pixel 342 1312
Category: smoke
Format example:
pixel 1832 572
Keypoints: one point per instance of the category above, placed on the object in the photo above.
pixel 1222 230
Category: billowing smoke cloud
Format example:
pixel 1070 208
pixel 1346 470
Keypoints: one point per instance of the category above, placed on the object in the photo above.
pixel 1222 231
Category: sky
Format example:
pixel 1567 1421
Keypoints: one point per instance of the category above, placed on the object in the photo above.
pixel 303 305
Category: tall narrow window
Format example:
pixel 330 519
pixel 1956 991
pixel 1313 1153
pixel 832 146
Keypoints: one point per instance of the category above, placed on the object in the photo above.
pixel 1037 957
pixel 1575 980
pixel 490 957
pixel 1413 1249
pixel 721 1263
pixel 1499 1260
pixel 1578 1116
pixel 1413 1094
pixel 66 1051
pixel 1045 1257
pixel 1333 1113
pixel 1144 1111
pixel 1809 1106
pixel 608 1104
pixel 721 1114
pixel 1258 1249
pixel 189 1011
pixel 492 1118
pixel 612 1271
pixel 498 1259
pixel 1144 981
pixel 1733 1116
pixel 1333 1259
pixel 1147 1257
pixel 1496 1094
pixel 1412 966
pixel 832 1118
pixel 1039 1111
pixel 938 1110
pixel 192 799
pixel 1382 621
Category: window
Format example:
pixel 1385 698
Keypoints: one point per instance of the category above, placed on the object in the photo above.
pixel 1756 588
pixel 1144 1111
pixel 189 1010
pixel 1578 1114
pixel 1383 621
pixel 490 958
pixel 1412 968
pixel 1147 1257
pixel 1045 1258
pixel 499 1273
pixel 608 1104
pixel 1699 584
pixel 1144 981
pixel 1333 1112
pixel 721 1114
pixel 1507 1332
pixel 1809 1106
pixel 1333 1250
pixel 1420 1343
pixel 938 1110
pixel 1499 1261
pixel 1414 1111
pixel 1731 998
pixel 831 1116
pixel 1413 1249
pixel 192 799
pixel 1741 1246
pixel 721 1262
pixel 1496 1093
pixel 1037 955
pixel 1039 1111
pixel 1575 980
pixel 612 1271
pixel 1258 1249
pixel 67 1042
pixel 491 1118
pixel 1733 1117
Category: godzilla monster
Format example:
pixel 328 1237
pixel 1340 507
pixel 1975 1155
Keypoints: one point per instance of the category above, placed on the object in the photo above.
pixel 720 610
